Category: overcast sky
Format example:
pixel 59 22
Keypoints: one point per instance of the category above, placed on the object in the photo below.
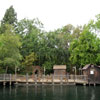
pixel 54 13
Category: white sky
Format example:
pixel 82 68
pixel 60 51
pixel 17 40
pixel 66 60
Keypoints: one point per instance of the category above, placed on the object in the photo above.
pixel 54 13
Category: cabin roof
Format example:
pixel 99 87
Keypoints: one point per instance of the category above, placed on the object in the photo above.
pixel 59 67
pixel 99 66
pixel 86 66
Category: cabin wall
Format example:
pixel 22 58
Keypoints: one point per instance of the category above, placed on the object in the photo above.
pixel 93 77
pixel 97 75
pixel 59 72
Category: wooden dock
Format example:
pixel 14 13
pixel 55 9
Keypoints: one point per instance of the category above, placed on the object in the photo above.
pixel 43 80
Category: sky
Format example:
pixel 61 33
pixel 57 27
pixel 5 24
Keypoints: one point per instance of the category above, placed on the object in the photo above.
pixel 54 13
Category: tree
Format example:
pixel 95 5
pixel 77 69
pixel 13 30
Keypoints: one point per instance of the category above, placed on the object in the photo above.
pixel 76 32
pixel 54 48
pixel 30 43
pixel 9 50
pixel 30 31
pixel 10 17
pixel 85 49
pixel 26 26
pixel 29 60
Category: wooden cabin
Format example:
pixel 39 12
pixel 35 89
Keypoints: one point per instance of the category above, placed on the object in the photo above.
pixel 93 72
pixel 59 69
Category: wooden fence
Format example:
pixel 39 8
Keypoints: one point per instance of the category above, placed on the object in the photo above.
pixel 48 79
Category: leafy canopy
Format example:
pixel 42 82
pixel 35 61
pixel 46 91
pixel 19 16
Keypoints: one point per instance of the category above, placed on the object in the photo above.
pixel 9 50
pixel 85 49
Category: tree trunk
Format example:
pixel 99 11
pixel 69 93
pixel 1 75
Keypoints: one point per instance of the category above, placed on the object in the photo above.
pixel 6 69
pixel 15 70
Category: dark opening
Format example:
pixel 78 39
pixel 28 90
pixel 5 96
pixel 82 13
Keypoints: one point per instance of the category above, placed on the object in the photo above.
pixel 36 72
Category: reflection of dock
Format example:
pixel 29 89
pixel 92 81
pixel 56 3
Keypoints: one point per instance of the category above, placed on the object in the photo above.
pixel 52 80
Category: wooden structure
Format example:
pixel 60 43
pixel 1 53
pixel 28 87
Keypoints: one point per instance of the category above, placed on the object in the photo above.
pixel 93 73
pixel 37 80
pixel 59 69
pixel 37 70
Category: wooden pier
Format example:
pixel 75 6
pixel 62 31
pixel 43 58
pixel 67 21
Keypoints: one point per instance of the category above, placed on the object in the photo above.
pixel 43 80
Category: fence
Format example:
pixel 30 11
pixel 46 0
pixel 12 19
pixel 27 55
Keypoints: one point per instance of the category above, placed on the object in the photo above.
pixel 44 79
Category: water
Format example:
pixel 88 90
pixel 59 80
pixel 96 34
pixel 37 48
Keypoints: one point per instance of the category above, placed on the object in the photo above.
pixel 50 93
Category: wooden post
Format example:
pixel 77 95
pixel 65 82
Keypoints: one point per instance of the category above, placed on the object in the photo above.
pixel 27 78
pixel 67 77
pixel 16 79
pixel 10 79
pixel 4 77
pixel 4 83
pixel 52 79
pixel 89 83
pixel 74 78
pixel 94 84
pixel 47 79
pixel 84 84
pixel 35 79
pixel 84 79
pixel 43 79
pixel 61 81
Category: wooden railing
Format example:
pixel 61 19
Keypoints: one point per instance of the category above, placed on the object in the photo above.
pixel 7 77
pixel 48 78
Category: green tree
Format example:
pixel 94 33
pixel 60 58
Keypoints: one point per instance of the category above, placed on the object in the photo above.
pixel 30 31
pixel 9 50
pixel 10 17
pixel 85 49
pixel 29 60
pixel 76 32
pixel 54 48
pixel 26 26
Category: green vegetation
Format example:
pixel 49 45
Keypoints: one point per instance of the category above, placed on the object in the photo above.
pixel 24 43
pixel 85 50
pixel 10 56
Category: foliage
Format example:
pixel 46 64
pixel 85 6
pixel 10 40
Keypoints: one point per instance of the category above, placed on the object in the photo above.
pixel 10 17
pixel 85 49
pixel 9 50
pixel 26 26
pixel 32 45
pixel 29 60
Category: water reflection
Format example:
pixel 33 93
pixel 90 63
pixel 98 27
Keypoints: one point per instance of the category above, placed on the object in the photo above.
pixel 49 93
pixel 10 90
pixel 93 95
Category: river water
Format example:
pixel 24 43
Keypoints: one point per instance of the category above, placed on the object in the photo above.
pixel 50 93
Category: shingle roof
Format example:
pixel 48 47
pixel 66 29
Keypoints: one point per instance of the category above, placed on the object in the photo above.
pixel 98 66
pixel 59 67
pixel 86 66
